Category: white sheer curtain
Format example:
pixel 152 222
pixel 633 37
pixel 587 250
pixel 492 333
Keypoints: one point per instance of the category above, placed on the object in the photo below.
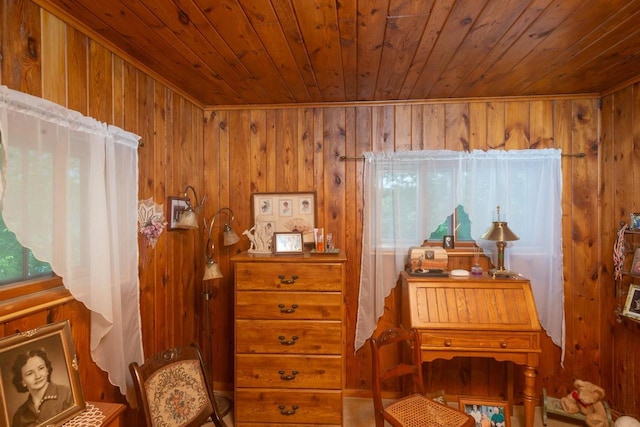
pixel 69 192
pixel 407 194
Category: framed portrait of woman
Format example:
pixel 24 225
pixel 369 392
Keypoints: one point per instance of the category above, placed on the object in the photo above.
pixel 40 379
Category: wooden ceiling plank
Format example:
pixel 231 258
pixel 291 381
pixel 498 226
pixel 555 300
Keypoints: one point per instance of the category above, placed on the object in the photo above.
pixel 401 42
pixel 287 19
pixel 460 22
pixel 560 44
pixel 233 26
pixel 184 24
pixel 500 75
pixel 438 15
pixel 177 72
pixel 319 24
pixel 492 24
pixel 372 17
pixel 348 30
pixel 266 25
pixel 616 34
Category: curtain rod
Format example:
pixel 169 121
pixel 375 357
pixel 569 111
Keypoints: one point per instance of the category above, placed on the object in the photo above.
pixel 345 158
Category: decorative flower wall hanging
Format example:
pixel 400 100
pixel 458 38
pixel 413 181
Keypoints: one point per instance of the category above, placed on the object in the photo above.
pixel 151 221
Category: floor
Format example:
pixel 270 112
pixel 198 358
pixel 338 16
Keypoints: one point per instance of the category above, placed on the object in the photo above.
pixel 358 412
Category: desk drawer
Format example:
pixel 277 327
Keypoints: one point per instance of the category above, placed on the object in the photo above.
pixel 289 277
pixel 283 407
pixel 289 305
pixel 288 337
pixel 282 371
pixel 479 340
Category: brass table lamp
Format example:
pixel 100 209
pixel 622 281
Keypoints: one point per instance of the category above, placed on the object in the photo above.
pixel 500 233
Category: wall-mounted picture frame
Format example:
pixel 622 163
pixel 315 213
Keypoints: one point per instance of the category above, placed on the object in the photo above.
pixel 634 223
pixel 175 207
pixel 495 411
pixel 287 212
pixel 632 304
pixel 29 361
pixel 288 243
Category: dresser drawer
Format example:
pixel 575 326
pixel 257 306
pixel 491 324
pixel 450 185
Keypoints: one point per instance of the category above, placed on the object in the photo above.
pixel 282 407
pixel 289 305
pixel 282 371
pixel 289 276
pixel 288 337
pixel 479 340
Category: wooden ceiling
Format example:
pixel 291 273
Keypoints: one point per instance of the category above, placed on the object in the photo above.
pixel 242 52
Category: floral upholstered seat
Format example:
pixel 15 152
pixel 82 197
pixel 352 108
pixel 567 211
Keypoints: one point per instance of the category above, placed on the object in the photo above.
pixel 173 391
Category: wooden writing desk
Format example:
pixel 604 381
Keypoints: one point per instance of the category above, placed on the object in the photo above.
pixel 477 316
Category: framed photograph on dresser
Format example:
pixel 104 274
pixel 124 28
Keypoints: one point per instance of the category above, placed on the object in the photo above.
pixel 43 357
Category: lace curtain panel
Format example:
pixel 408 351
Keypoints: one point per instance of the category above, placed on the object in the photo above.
pixel 69 192
pixel 408 194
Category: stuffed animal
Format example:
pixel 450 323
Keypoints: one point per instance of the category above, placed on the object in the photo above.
pixel 626 421
pixel 587 399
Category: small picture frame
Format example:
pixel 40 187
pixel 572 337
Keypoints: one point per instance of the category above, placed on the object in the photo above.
pixel 632 305
pixel 175 207
pixel 47 348
pixel 634 223
pixel 287 243
pixel 447 242
pixel 635 264
pixel 493 412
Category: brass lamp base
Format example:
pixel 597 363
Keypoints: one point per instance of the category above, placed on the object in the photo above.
pixel 502 274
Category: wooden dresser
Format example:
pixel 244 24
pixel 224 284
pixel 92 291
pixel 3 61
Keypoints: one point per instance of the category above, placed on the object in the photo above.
pixel 476 316
pixel 289 339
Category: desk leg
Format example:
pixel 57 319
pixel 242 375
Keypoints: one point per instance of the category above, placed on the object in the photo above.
pixel 529 395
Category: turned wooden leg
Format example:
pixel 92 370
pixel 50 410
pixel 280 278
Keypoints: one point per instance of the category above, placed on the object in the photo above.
pixel 529 395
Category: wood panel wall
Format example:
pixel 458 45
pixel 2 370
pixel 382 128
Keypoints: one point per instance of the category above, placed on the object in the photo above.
pixel 229 153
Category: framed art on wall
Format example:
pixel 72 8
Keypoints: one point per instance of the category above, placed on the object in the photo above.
pixel 29 361
pixel 175 207
pixel 286 212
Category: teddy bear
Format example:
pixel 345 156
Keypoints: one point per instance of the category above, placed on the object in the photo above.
pixel 587 399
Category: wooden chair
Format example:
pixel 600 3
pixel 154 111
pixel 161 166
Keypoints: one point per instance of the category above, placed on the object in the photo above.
pixel 415 409
pixel 172 389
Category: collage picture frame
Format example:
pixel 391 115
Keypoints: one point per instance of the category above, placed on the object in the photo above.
pixel 286 212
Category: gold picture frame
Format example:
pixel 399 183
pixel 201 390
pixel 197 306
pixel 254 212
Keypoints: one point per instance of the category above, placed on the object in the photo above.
pixel 288 243
pixel 494 410
pixel 286 212
pixel 46 349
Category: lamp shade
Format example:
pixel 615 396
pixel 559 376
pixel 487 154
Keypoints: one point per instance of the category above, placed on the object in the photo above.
pixel 499 232
pixel 230 237
pixel 212 270
pixel 188 220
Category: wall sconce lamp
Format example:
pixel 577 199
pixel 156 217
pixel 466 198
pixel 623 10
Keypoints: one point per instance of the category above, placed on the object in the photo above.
pixel 501 234
pixel 212 269
pixel 188 219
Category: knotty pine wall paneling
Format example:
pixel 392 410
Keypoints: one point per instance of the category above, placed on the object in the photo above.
pixel 44 56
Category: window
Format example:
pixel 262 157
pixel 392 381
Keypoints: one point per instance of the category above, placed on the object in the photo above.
pixel 17 263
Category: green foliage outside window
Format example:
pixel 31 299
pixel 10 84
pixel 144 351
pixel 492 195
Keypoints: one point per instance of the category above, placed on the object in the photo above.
pixel 17 263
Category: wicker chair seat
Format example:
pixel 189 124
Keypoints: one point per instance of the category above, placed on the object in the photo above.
pixel 419 411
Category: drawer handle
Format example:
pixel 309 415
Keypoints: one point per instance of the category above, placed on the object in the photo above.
pixel 447 343
pixel 288 282
pixel 503 344
pixel 283 341
pixel 293 410
pixel 293 308
pixel 291 377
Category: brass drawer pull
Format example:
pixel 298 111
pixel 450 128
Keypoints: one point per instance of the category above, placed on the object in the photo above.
pixel 291 377
pixel 288 282
pixel 447 343
pixel 293 410
pixel 503 344
pixel 288 310
pixel 283 341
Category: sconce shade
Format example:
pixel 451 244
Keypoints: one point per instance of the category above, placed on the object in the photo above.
pixel 188 220
pixel 230 236
pixel 212 270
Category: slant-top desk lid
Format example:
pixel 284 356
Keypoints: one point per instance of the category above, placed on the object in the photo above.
pixel 473 302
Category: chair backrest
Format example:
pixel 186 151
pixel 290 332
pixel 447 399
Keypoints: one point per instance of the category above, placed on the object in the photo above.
pixel 172 389
pixel 395 354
